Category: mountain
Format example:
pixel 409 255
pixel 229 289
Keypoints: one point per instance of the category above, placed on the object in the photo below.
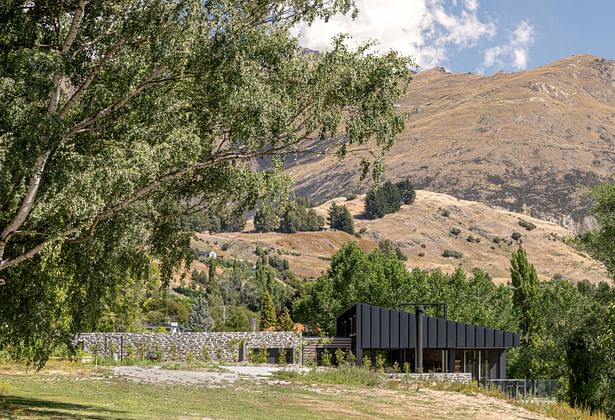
pixel 532 142
pixel 434 223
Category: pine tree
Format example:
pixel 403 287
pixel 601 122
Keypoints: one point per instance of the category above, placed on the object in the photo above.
pixel 200 319
pixel 285 321
pixel 340 218
pixel 266 219
pixel 267 316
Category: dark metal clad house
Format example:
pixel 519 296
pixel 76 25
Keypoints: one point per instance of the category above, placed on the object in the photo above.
pixel 443 345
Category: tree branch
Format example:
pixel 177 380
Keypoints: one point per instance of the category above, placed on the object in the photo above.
pixel 148 82
pixel 89 79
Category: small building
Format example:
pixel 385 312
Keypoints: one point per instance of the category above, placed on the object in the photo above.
pixel 443 345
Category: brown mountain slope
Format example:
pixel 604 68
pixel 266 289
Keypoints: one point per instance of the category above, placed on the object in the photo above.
pixel 424 228
pixel 531 142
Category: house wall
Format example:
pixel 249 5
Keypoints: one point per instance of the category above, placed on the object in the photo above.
pixel 215 346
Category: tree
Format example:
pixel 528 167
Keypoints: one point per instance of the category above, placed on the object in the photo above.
pixel 212 272
pixel 383 200
pixel 388 248
pixel 200 319
pixel 340 218
pixel 268 318
pixel 406 190
pixel 526 299
pixel 118 113
pixel 315 221
pixel 266 219
pixel 599 242
pixel 286 322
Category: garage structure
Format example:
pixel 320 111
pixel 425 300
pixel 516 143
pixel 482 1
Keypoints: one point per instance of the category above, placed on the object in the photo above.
pixel 443 345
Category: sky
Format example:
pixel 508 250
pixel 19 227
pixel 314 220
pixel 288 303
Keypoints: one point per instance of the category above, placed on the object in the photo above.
pixel 479 36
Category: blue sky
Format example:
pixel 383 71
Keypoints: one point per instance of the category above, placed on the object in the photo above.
pixel 478 35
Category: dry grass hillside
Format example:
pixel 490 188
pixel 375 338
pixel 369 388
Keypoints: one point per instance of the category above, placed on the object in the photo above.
pixel 423 231
pixel 531 142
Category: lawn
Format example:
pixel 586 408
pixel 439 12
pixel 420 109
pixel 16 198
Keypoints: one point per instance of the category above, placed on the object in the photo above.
pixel 72 391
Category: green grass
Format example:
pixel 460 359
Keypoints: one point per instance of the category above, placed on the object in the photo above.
pixel 344 375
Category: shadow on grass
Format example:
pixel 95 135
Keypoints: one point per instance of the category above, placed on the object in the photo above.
pixel 57 409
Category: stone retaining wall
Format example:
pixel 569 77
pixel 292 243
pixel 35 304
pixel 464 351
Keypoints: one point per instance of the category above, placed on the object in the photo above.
pixel 206 346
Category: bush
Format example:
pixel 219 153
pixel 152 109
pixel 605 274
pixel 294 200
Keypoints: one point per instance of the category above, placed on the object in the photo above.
pixel 406 191
pixel 473 239
pixel 527 225
pixel 343 375
pixel 380 363
pixel 421 254
pixel 340 357
pixel 325 358
pixel 351 197
pixel 516 236
pixel 454 231
pixel 449 253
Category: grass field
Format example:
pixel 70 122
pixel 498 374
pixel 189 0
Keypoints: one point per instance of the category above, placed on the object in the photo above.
pixel 72 391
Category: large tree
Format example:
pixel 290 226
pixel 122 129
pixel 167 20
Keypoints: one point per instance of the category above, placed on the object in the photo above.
pixel 118 116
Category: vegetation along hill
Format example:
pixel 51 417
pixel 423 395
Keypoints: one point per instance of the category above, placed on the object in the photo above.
pixel 424 231
pixel 532 142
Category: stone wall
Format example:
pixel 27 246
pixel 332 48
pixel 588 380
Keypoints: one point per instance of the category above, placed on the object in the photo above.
pixel 206 346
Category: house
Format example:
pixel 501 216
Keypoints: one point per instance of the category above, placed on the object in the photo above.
pixel 443 345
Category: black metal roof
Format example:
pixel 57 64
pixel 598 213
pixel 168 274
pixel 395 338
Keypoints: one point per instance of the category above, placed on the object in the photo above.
pixel 375 327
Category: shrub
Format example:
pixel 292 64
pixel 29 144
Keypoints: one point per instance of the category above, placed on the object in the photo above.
pixel 325 358
pixel 351 197
pixel 473 239
pixel 406 367
pixel 380 363
pixel 225 246
pixel 449 253
pixel 444 212
pixel 421 254
pixel 367 362
pixel 496 240
pixel 205 356
pixel 390 249
pixel 350 358
pixel 281 359
pixel 395 367
pixel 423 246
pixel 454 231
pixel 340 357
pixel 516 236
pixel 344 375
pixel 527 225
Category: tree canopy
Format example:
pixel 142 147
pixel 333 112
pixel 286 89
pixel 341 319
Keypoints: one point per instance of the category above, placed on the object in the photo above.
pixel 119 116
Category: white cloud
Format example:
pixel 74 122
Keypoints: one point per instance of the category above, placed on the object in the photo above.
pixel 424 29
pixel 515 52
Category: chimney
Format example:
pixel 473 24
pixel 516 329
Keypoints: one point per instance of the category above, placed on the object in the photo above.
pixel 420 313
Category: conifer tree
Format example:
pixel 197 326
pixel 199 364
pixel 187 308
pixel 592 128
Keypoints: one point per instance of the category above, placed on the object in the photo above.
pixel 267 316
pixel 200 319
pixel 286 322
pixel 340 218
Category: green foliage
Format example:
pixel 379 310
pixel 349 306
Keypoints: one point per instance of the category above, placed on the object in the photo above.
pixel 526 299
pixel 382 201
pixel 111 127
pixel 267 318
pixel 355 276
pixel 297 218
pixel 379 362
pixel 527 225
pixel 266 219
pixel 281 358
pixel 340 218
pixel 200 319
pixel 285 322
pixel 599 242
pixel 406 191
pixel 450 253
pixel 343 375
pixel 390 249
pixel 367 362
pixel 325 358
pixel 515 236
pixel 340 357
